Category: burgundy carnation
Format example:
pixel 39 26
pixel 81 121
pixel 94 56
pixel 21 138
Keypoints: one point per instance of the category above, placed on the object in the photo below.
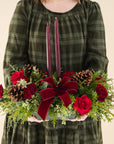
pixel 27 93
pixel 32 87
pixel 16 76
pixel 30 90
pixel 102 92
pixel 68 74
pixel 83 104
pixel 1 91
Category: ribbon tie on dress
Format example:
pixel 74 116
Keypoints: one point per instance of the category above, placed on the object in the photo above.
pixel 62 90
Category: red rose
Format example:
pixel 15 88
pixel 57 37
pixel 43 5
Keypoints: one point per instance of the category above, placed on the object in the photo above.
pixel 32 87
pixel 102 92
pixel 1 91
pixel 16 76
pixel 27 93
pixel 83 104
pixel 68 74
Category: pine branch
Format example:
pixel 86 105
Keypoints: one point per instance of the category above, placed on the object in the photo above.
pixel 12 67
pixel 105 109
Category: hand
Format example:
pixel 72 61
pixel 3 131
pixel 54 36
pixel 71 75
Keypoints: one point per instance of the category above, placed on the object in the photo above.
pixel 34 119
pixel 79 119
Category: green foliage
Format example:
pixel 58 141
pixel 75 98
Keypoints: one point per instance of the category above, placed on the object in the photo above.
pixel 20 111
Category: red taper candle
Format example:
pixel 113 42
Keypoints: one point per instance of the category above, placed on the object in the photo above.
pixel 57 49
pixel 48 50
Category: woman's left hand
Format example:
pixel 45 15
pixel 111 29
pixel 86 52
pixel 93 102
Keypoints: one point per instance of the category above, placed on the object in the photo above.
pixel 34 119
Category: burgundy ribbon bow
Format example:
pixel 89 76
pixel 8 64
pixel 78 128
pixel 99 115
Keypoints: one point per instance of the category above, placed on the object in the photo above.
pixel 63 89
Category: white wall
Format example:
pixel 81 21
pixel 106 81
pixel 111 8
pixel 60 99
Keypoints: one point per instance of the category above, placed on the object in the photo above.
pixel 107 7
pixel 6 10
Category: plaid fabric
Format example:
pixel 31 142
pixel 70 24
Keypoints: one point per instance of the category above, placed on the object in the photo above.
pixel 82 46
pixel 86 132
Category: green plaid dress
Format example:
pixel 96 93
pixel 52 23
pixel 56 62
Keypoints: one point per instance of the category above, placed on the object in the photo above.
pixel 82 46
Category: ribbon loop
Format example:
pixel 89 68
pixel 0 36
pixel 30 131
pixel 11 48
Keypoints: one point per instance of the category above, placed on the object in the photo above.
pixel 62 90
pixel 48 93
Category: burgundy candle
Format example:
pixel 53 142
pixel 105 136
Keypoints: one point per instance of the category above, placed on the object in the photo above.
pixel 48 50
pixel 57 49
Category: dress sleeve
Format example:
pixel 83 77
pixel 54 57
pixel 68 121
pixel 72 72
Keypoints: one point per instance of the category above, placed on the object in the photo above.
pixel 17 44
pixel 95 58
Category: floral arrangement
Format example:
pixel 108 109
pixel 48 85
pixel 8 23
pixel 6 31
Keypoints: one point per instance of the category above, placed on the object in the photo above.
pixel 53 96
pixel 32 92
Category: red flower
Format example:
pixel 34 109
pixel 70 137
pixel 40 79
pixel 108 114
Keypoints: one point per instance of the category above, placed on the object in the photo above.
pixel 68 74
pixel 1 91
pixel 102 92
pixel 27 93
pixel 16 76
pixel 32 87
pixel 83 104
pixel 30 90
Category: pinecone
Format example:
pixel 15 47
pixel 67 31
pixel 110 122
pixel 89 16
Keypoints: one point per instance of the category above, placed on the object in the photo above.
pixel 85 76
pixel 28 69
pixel 40 72
pixel 15 92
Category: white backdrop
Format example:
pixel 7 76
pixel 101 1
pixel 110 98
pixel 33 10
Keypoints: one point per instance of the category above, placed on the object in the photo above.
pixel 6 10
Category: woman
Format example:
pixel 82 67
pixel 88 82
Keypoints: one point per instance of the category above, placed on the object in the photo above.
pixel 82 46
